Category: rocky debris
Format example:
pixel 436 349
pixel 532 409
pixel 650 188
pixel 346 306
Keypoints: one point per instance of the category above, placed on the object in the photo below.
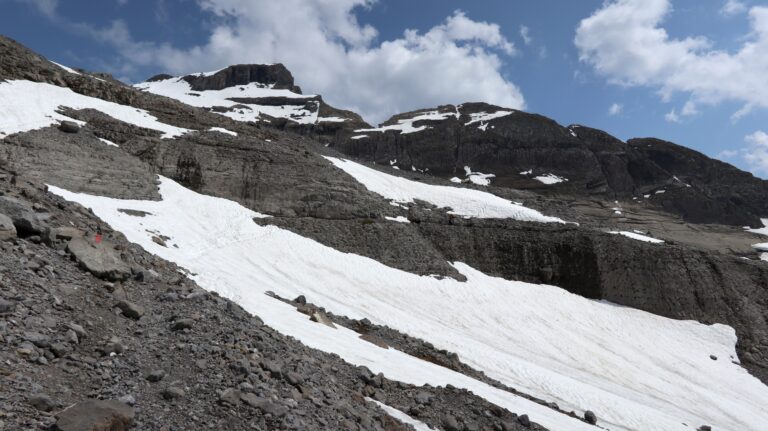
pixel 69 127
pixel 182 324
pixel 590 417
pixel 7 229
pixel 704 428
pixel 100 259
pixel 42 402
pixel 155 375
pixel 96 415
pixel 130 309
pixel 320 317
pixel 7 307
pixel 22 215
pixel 173 392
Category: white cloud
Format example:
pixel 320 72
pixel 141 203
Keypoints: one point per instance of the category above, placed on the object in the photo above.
pixel 672 117
pixel 624 42
pixel 756 154
pixel 525 33
pixel 615 109
pixel 733 7
pixel 331 53
pixel 45 7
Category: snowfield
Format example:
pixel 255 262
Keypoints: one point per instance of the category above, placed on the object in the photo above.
pixel 181 90
pixel 635 370
pixel 27 105
pixel 463 202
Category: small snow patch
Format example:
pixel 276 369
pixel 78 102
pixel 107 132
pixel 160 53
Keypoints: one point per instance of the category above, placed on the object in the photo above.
pixel 359 137
pixel 399 219
pixel 110 143
pixel 222 130
pixel 68 69
pixel 637 236
pixel 550 179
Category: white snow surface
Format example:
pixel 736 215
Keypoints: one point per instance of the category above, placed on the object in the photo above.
pixel 356 137
pixel 637 236
pixel 405 125
pixel 223 130
pixel 181 90
pixel 27 105
pixel 636 370
pixel 108 142
pixel 68 69
pixel 478 178
pixel 549 179
pixel 463 202
pixel 762 230
pixel 402 417
pixel 484 117
pixel 399 219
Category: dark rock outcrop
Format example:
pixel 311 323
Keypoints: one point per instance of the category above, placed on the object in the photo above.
pixel 275 75
pixel 520 146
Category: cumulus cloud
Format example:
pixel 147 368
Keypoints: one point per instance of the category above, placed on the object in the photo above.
pixel 733 7
pixel 756 154
pixel 525 33
pixel 615 109
pixel 625 42
pixel 331 53
pixel 672 117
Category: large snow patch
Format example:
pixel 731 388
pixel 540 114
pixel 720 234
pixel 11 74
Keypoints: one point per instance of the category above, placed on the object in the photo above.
pixel 27 105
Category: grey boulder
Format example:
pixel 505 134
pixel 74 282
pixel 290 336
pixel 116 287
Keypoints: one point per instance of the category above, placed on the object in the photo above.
pixel 100 259
pixel 96 415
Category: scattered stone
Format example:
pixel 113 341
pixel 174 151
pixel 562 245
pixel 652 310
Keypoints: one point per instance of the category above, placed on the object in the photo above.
pixel 130 310
pixel 524 421
pixel 42 402
pixel 590 417
pixel 7 307
pixel 182 324
pixel 320 317
pixel 301 299
pixel 230 396
pixel 60 349
pixel 173 392
pixel 37 339
pixel 69 127
pixel 67 233
pixel 713 357
pixel 100 259
pixel 96 415
pixel 24 218
pixel 7 229
pixel 451 424
pixel 79 330
pixel 705 428
pixel 155 375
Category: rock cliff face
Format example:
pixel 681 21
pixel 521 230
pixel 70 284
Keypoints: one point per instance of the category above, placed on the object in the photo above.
pixel 272 75
pixel 522 149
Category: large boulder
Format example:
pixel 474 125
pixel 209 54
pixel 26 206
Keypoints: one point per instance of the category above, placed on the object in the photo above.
pixel 69 127
pixel 96 415
pixel 23 217
pixel 7 229
pixel 100 259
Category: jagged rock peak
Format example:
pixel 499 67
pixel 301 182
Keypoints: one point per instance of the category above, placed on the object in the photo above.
pixel 276 76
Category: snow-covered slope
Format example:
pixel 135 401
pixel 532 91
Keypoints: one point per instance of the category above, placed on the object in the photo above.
pixel 27 105
pixel 636 370
pixel 463 202
pixel 301 109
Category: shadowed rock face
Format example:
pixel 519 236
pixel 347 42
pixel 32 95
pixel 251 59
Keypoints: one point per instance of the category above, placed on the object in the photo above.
pixel 275 75
pixel 699 189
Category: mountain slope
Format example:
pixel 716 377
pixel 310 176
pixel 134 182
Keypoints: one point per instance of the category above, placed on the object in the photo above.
pixel 241 171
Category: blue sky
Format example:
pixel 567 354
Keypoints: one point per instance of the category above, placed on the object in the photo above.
pixel 674 69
